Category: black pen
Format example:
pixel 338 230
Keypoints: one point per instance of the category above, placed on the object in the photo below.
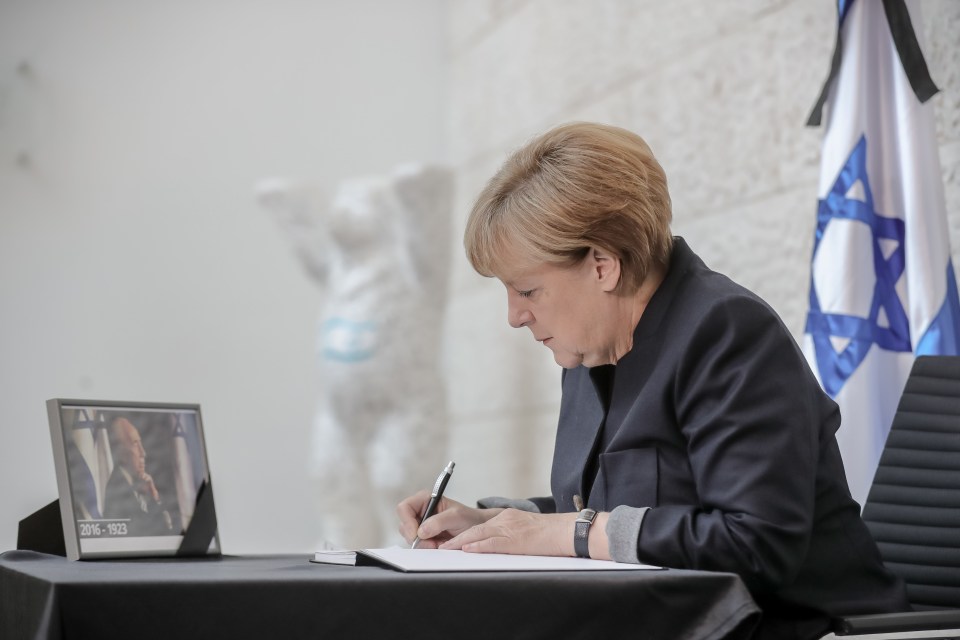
pixel 435 496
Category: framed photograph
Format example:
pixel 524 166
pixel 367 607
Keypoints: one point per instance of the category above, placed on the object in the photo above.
pixel 133 479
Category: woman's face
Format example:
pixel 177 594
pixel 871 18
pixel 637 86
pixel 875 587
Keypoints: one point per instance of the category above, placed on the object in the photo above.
pixel 568 309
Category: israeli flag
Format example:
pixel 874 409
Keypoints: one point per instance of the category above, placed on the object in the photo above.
pixel 882 287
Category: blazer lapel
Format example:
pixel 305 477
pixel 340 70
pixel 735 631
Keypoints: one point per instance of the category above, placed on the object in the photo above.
pixel 581 416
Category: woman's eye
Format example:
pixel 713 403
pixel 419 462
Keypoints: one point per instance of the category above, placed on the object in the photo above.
pixel 525 294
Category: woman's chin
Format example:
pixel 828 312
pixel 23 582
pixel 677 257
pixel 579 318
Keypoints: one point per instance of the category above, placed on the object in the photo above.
pixel 567 360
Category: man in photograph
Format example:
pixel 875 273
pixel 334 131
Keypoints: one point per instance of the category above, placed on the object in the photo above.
pixel 131 493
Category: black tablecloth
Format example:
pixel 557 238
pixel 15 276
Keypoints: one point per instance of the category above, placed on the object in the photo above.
pixel 43 596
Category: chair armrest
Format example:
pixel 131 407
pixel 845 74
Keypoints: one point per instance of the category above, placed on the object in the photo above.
pixel 893 622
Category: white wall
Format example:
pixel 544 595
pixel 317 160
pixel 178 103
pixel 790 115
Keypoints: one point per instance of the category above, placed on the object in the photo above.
pixel 134 262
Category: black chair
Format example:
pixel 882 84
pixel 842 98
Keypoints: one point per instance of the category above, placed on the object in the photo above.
pixel 913 510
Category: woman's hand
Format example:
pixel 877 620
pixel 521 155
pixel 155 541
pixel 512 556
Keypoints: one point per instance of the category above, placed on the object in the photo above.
pixel 450 519
pixel 519 532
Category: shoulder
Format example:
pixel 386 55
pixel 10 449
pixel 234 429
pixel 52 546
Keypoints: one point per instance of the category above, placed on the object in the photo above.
pixel 692 289
pixel 115 477
pixel 715 322
pixel 708 303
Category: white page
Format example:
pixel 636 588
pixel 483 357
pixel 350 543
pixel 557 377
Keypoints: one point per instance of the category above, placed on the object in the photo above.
pixel 453 560
pixel 335 556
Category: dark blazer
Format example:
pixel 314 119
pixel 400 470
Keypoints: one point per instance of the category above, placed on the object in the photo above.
pixel 716 422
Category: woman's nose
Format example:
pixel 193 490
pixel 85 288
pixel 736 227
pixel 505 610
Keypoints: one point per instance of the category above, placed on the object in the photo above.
pixel 518 316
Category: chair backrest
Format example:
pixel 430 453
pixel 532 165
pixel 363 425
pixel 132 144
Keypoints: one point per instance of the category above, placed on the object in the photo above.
pixel 913 510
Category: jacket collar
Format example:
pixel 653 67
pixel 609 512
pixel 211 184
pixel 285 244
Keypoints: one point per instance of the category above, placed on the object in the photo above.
pixel 587 411
pixel 681 261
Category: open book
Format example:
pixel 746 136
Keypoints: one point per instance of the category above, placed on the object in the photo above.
pixel 419 560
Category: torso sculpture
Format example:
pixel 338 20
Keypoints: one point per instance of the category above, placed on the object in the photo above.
pixel 380 250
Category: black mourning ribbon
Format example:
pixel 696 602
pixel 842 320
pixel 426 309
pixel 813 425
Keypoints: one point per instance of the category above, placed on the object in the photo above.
pixel 911 57
pixel 203 525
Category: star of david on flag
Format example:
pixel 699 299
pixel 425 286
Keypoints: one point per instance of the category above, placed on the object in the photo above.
pixel 882 285
pixel 885 323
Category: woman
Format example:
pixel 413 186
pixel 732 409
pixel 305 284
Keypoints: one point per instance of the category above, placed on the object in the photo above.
pixel 690 422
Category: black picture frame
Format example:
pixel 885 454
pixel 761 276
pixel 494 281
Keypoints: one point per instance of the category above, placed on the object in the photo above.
pixel 133 479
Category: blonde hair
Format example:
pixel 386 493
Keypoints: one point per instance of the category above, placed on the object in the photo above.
pixel 577 186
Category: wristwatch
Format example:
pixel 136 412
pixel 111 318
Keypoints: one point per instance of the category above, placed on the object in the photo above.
pixel 581 532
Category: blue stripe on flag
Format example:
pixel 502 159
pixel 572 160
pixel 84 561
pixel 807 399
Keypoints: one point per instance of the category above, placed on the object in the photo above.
pixel 843 6
pixel 943 335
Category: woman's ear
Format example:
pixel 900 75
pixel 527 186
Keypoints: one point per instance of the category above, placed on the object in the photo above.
pixel 606 269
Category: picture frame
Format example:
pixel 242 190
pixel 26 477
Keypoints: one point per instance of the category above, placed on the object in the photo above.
pixel 133 479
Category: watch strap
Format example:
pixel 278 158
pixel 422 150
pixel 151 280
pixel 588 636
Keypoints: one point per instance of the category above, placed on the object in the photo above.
pixel 581 532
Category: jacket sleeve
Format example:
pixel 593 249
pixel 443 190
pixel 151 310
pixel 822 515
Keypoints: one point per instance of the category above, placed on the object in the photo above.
pixel 533 505
pixel 751 414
